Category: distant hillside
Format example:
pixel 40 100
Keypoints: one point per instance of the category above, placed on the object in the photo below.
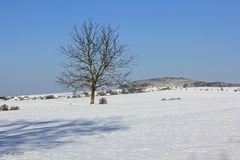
pixel 175 82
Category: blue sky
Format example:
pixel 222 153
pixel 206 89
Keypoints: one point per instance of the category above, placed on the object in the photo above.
pixel 197 39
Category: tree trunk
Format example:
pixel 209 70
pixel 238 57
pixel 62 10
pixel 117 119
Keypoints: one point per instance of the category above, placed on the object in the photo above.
pixel 93 95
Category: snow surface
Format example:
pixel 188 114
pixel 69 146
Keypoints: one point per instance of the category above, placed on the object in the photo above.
pixel 203 125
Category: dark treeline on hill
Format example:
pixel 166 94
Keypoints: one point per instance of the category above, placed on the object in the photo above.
pixel 3 98
pixel 175 82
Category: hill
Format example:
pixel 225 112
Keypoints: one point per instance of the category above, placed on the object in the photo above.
pixel 175 82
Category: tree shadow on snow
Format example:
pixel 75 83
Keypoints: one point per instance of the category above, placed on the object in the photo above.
pixel 31 135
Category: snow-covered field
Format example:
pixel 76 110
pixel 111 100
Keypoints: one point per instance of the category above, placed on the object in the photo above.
pixel 203 125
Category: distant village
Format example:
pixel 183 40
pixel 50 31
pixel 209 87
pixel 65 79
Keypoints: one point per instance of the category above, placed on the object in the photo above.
pixel 84 94
pixel 128 90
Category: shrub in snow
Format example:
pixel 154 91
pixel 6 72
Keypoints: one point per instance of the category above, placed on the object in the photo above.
pixel 86 94
pixel 111 92
pixel 163 89
pixel 4 107
pixel 101 93
pixel 76 96
pixel 50 97
pixel 13 108
pixel 185 85
pixel 171 99
pixel 237 90
pixel 4 98
pixel 103 101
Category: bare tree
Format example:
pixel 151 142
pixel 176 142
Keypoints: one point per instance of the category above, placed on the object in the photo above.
pixel 95 58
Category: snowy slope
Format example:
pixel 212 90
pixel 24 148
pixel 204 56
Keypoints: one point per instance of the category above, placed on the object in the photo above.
pixel 203 125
